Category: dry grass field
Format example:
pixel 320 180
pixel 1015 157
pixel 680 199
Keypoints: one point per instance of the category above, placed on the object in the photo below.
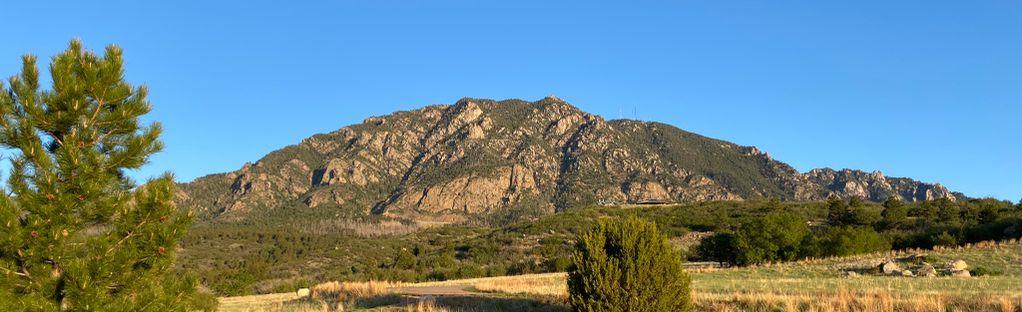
pixel 810 285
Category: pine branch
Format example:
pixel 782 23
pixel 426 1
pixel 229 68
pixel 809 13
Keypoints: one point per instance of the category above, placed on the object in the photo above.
pixel 118 244
pixel 95 114
pixel 25 274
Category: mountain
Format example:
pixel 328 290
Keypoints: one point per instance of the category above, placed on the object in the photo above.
pixel 450 161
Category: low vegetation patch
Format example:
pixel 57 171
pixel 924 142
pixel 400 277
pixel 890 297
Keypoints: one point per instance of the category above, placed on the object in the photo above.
pixel 265 256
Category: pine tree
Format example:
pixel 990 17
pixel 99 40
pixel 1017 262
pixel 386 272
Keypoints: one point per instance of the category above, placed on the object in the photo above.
pixel 894 214
pixel 75 232
pixel 837 211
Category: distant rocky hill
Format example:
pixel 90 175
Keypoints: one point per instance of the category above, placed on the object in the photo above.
pixel 479 155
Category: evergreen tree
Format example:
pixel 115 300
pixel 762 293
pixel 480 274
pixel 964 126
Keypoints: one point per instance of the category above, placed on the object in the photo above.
pixel 405 260
pixel 894 214
pixel 852 212
pixel 863 216
pixel 627 265
pixel 988 214
pixel 75 232
pixel 837 211
pixel 944 239
pixel 855 202
pixel 947 211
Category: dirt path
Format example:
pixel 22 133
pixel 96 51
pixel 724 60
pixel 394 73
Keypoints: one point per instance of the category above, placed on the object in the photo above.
pixel 453 290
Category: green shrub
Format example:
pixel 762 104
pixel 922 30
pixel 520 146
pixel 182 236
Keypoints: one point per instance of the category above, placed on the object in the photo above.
pixel 470 271
pixel 847 240
pixel 405 260
pixel 496 270
pixel 944 239
pixel 982 271
pixel 775 237
pixel 627 265
pixel 718 247
pixel 558 264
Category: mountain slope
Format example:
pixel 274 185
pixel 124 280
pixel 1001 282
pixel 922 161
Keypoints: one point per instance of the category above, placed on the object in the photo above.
pixel 479 155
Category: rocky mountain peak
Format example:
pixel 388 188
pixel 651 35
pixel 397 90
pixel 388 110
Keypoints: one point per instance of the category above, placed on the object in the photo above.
pixel 477 155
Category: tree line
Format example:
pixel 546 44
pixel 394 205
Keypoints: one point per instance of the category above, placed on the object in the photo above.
pixel 853 226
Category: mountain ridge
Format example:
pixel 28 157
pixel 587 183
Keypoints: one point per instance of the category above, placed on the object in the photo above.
pixel 478 155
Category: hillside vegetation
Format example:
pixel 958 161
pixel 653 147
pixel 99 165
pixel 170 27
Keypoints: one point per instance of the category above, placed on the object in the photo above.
pixel 237 258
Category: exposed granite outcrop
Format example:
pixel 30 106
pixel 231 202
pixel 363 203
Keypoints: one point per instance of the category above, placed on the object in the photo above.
pixel 478 155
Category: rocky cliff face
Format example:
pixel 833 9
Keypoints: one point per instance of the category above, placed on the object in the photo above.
pixel 875 186
pixel 479 155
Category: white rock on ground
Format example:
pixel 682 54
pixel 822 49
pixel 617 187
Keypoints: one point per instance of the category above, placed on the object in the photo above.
pixel 957 265
pixel 890 267
pixel 927 270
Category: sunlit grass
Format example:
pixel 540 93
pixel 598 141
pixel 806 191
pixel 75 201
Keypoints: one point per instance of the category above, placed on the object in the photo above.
pixel 817 285
pixel 810 285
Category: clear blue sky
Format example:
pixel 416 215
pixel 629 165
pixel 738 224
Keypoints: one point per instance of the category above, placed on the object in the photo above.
pixel 926 89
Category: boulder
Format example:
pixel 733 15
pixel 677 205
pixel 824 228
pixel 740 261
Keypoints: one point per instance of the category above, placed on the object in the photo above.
pixel 907 273
pixel 962 273
pixel 644 191
pixel 956 265
pixel 849 274
pixel 303 292
pixel 927 270
pixel 890 267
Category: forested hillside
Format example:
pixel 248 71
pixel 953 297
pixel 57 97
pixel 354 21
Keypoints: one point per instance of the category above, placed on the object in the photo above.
pixel 273 256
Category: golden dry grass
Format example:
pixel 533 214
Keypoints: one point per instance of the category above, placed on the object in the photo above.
pixel 816 284
pixel 839 300
pixel 474 281
pixel 550 285
pixel 331 296
pixel 846 301
pixel 346 291
pixel 425 306
pixel 270 302
pixel 811 285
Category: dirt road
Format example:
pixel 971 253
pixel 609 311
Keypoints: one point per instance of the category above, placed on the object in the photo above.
pixel 455 290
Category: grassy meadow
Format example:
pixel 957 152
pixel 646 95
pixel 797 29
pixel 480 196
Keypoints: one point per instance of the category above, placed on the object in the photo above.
pixel 809 285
